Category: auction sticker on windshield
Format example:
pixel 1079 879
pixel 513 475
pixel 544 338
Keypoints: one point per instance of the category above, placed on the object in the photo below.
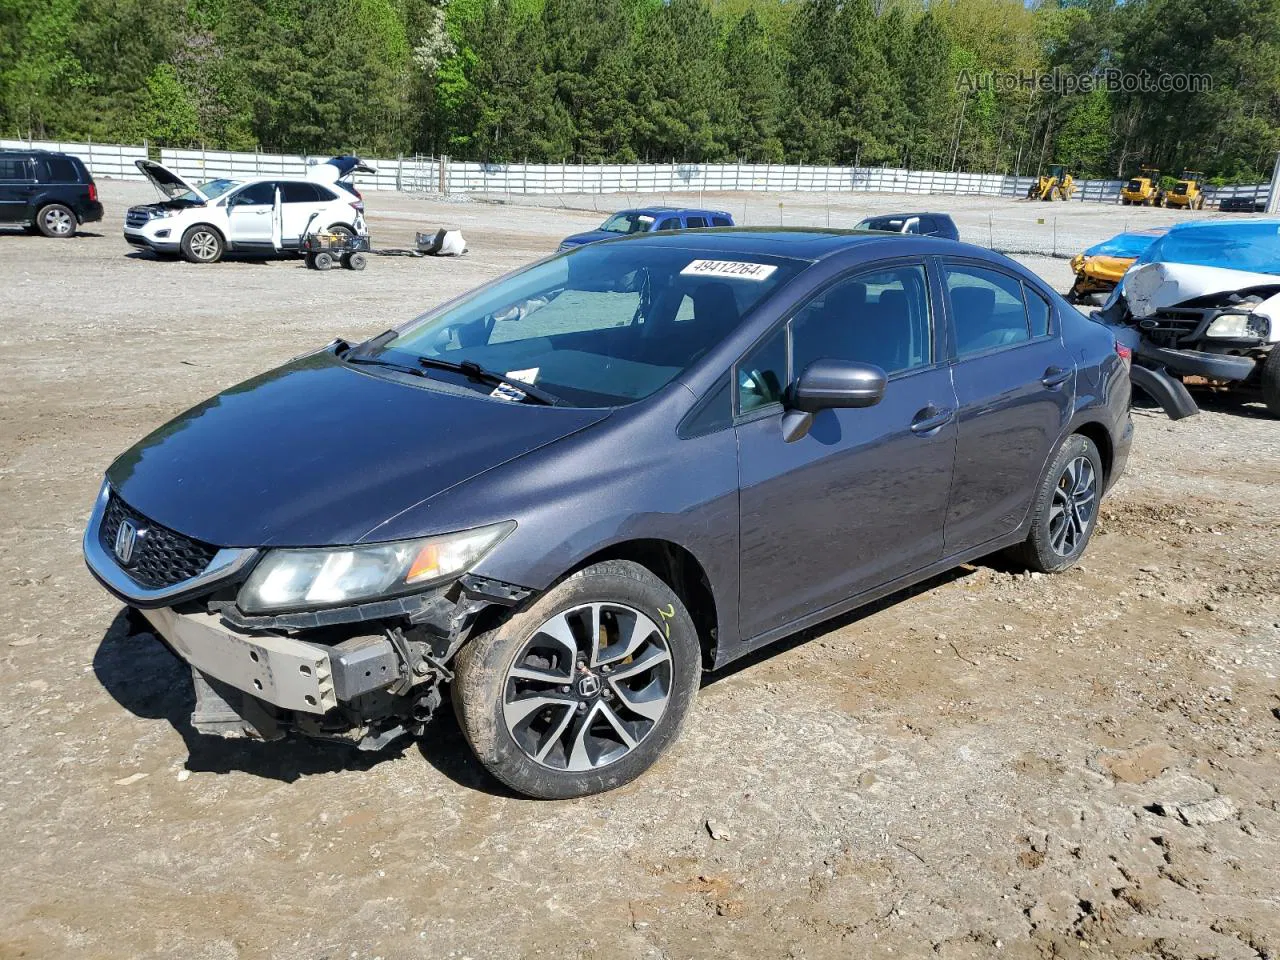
pixel 729 268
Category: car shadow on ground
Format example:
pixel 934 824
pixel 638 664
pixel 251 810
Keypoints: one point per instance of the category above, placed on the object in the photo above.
pixel 852 617
pixel 147 679
pixel 23 232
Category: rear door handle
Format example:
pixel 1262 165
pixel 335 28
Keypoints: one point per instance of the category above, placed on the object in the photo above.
pixel 930 419
pixel 1055 377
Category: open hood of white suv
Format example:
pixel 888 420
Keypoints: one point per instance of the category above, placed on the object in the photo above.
pixel 168 182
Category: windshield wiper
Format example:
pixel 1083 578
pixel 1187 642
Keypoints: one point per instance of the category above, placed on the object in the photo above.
pixel 352 357
pixel 468 368
pixel 473 371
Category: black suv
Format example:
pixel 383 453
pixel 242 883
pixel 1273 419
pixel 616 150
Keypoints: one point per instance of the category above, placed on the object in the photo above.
pixel 50 192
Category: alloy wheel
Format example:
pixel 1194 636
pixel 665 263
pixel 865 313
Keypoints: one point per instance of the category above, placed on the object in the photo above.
pixel 1075 500
pixel 204 245
pixel 588 686
pixel 57 221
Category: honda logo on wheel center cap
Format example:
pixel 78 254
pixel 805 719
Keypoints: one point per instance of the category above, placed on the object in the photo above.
pixel 589 685
pixel 126 538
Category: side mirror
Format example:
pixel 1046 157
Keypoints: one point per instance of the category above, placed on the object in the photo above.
pixel 829 384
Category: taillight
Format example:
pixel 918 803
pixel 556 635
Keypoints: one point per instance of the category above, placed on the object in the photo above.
pixel 93 192
pixel 357 205
pixel 1125 354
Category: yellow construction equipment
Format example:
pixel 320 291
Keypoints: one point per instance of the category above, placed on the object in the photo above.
pixel 1058 185
pixel 1188 192
pixel 1099 268
pixel 1143 190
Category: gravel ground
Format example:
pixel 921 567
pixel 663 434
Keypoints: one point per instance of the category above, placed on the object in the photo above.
pixel 992 764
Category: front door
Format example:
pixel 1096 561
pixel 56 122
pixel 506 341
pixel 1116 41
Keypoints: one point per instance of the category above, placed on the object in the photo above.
pixel 861 500
pixel 1015 382
pixel 250 215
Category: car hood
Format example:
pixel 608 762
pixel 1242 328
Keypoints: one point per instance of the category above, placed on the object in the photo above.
pixel 318 453
pixel 590 236
pixel 167 182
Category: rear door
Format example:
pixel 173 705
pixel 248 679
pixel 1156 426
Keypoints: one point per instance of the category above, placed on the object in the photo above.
pixel 17 187
pixel 249 215
pixel 302 209
pixel 860 500
pixel 1015 383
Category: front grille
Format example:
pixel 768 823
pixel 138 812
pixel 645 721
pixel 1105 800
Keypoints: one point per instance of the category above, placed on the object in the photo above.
pixel 161 557
pixel 136 217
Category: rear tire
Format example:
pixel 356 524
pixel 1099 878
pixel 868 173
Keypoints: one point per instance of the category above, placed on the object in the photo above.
pixel 357 261
pixel 202 244
pixel 323 260
pixel 56 221
pixel 583 691
pixel 1065 508
pixel 1271 381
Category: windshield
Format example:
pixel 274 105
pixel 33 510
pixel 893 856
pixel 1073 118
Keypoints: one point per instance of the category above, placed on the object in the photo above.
pixel 889 224
pixel 214 188
pixel 599 326
pixel 628 222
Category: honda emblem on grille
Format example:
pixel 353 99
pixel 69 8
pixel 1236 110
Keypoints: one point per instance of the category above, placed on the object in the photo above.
pixel 126 538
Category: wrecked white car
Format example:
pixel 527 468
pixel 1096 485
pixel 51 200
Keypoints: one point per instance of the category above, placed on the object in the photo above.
pixel 1205 299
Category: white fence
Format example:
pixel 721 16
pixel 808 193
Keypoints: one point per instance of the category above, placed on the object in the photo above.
pixel 110 160
pixel 425 175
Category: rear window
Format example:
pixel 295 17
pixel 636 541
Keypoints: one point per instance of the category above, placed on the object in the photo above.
pixel 59 170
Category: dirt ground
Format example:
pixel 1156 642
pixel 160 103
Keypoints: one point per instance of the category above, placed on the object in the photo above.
pixel 992 765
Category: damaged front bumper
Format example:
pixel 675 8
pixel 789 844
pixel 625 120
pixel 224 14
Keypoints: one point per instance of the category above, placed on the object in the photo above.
pixel 365 674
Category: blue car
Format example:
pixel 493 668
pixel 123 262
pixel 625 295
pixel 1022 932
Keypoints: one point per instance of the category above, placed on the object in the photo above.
pixel 562 498
pixel 627 223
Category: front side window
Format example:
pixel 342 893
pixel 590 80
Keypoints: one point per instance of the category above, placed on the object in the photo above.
pixel 257 194
pixel 627 223
pixel 880 318
pixel 762 373
pixel 670 223
pixel 602 325
pixel 987 309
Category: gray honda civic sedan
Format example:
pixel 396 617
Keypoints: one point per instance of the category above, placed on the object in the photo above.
pixel 563 497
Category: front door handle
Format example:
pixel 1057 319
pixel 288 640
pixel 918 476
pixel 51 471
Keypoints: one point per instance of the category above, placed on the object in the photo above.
pixel 1055 377
pixel 930 419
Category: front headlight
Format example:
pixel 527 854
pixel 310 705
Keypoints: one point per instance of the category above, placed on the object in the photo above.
pixel 292 579
pixel 1240 326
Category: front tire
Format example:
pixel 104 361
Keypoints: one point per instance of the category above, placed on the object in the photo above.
pixel 1271 381
pixel 56 221
pixel 1065 508
pixel 202 244
pixel 582 692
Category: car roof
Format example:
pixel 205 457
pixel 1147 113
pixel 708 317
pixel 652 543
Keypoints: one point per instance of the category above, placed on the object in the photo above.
pixel 900 216
pixel 804 243
pixel 668 210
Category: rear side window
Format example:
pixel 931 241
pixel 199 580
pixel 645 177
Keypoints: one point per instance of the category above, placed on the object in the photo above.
pixel 15 168
pixel 292 191
pixel 59 170
pixel 1037 313
pixel 721 222
pixel 695 222
pixel 987 309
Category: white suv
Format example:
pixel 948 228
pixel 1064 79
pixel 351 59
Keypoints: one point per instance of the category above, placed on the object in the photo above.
pixel 263 215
